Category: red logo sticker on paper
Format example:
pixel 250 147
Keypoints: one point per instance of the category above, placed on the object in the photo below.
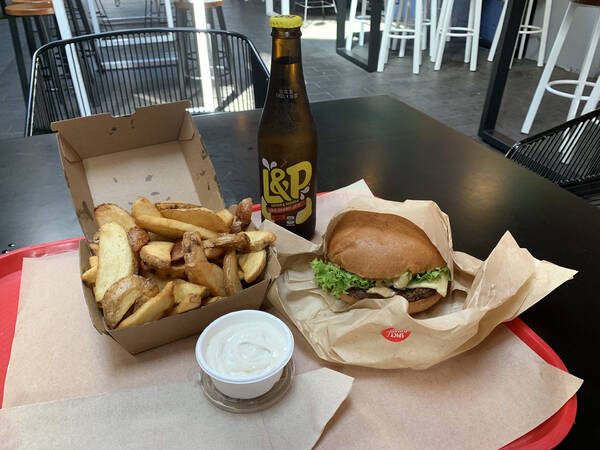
pixel 395 335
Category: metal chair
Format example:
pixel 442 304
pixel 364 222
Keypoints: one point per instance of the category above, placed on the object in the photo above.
pixel 118 71
pixel 568 155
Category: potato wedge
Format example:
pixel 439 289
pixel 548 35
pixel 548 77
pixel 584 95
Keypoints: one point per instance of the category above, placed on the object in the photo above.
pixel 252 264
pixel 161 206
pixel 259 240
pixel 94 247
pixel 119 297
pixel 153 309
pixel 226 216
pixel 177 252
pixel 109 212
pixel 197 267
pixel 236 226
pixel 244 212
pixel 184 291
pixel 171 228
pixel 239 241
pixel 209 300
pixel 116 259
pixel 154 279
pixel 157 254
pixel 230 271
pixel 151 289
pixel 174 271
pixel 144 207
pixel 214 254
pixel 185 306
pixel 201 217
pixel 89 276
pixel 93 260
pixel 137 238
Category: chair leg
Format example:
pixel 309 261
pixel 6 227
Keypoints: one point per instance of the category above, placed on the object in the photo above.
pixel 353 6
pixel 552 58
pixel 544 36
pixel 445 17
pixel 432 28
pixel 585 70
pixel 385 37
pixel 363 13
pixel 525 22
pixel 498 32
pixel 475 41
pixel 424 27
pixel 305 10
pixel 469 39
pixel 397 18
pixel 418 32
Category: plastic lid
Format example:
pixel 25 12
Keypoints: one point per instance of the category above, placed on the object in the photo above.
pixel 285 21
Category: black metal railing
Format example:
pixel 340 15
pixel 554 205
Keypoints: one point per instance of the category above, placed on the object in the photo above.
pixel 118 71
pixel 568 155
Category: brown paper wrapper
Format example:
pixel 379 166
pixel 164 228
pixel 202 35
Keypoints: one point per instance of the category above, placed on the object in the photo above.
pixel 482 295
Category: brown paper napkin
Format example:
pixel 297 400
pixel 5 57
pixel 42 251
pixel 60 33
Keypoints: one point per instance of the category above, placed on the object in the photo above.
pixel 484 398
pixel 177 416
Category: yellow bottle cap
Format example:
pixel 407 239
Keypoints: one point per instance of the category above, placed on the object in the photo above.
pixel 285 22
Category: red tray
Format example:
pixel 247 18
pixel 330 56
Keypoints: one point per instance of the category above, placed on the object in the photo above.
pixel 549 434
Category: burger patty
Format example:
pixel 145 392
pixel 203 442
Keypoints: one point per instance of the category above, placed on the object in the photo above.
pixel 412 295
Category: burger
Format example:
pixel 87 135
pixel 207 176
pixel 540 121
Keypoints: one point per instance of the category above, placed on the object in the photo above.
pixel 375 255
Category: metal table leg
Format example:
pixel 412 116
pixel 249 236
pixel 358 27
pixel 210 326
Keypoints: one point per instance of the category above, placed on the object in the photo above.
pixel 369 64
pixel 493 99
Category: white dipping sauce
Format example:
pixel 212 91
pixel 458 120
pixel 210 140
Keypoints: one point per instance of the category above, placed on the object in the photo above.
pixel 247 349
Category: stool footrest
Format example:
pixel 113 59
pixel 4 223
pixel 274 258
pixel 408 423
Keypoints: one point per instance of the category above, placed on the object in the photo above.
pixel 549 88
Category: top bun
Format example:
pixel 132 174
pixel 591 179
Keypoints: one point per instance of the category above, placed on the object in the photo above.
pixel 381 246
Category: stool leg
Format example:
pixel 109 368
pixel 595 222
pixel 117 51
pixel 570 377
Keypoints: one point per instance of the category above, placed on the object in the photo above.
pixel 585 70
pixel 424 27
pixel 592 102
pixel 475 41
pixel 433 28
pixel 544 37
pixel 418 32
pixel 398 19
pixel 445 17
pixel 469 39
pixel 525 22
pixel 541 87
pixel 385 37
pixel 405 25
pixel 498 32
pixel 363 13
pixel 353 6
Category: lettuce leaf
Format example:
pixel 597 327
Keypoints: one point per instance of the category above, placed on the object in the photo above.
pixel 432 274
pixel 336 280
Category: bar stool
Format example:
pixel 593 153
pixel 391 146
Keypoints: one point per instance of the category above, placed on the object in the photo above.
pixel 363 19
pixel 470 32
pixel 546 85
pixel 310 4
pixel 184 16
pixel 401 32
pixel 28 12
pixel 524 30
pixel 428 21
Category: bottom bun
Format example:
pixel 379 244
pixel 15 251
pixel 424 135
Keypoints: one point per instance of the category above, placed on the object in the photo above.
pixel 413 307
pixel 423 304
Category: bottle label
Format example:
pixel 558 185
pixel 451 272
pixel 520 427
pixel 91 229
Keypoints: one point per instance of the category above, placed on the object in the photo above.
pixel 285 192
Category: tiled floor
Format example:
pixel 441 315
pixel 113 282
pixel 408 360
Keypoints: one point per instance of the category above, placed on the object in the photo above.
pixel 453 95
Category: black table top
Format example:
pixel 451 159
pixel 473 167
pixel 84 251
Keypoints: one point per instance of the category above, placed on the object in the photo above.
pixel 401 153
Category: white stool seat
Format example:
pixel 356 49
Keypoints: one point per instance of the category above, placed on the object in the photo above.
pixel 546 85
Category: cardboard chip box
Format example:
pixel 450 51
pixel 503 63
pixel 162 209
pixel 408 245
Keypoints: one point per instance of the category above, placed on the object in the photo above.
pixel 156 153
